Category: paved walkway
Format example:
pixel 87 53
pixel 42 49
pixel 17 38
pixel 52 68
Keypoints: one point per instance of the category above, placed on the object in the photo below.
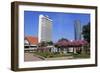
pixel 31 57
pixel 60 58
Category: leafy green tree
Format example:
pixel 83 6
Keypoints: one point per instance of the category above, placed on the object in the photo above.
pixel 63 39
pixel 50 43
pixel 43 44
pixel 86 32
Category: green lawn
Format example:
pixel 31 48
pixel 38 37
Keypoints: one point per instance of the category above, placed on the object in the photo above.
pixel 81 55
pixel 51 55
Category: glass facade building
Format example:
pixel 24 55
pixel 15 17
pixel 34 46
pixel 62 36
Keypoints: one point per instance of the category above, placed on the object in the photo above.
pixel 77 30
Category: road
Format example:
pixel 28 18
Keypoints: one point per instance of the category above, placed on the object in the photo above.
pixel 31 57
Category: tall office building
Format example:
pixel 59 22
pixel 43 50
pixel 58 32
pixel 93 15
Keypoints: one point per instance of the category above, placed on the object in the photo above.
pixel 45 29
pixel 78 30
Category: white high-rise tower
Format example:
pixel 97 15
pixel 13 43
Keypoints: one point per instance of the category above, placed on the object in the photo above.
pixel 45 29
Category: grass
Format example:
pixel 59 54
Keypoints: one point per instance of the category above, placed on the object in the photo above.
pixel 51 55
pixel 81 55
pixel 54 55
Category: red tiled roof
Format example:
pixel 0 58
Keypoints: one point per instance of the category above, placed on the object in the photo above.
pixel 32 39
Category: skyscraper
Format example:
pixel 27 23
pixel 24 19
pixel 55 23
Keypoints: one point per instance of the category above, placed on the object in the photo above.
pixel 78 30
pixel 45 28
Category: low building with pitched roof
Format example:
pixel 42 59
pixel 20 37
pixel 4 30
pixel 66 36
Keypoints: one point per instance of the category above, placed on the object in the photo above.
pixel 30 43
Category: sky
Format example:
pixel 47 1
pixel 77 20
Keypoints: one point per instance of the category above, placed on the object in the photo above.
pixel 62 26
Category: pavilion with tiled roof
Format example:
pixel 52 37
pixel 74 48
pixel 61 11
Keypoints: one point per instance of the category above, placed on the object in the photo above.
pixel 30 43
